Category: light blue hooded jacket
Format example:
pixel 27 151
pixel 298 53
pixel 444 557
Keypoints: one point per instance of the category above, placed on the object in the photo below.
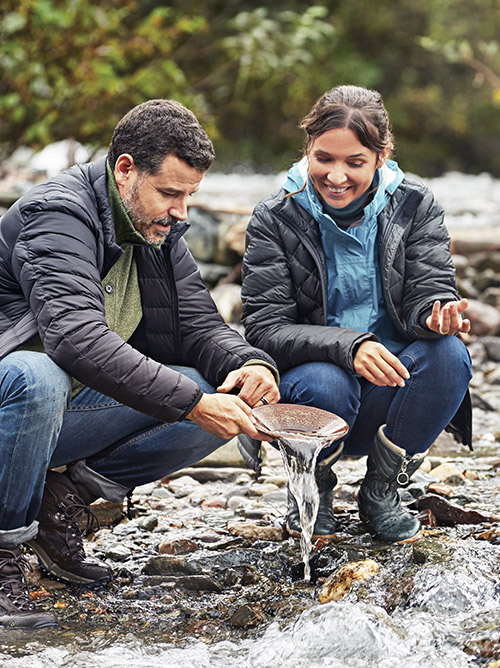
pixel 355 298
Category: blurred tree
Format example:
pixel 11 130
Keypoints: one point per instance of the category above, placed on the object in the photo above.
pixel 71 68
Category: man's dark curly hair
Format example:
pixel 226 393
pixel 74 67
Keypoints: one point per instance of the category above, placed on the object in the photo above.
pixel 154 129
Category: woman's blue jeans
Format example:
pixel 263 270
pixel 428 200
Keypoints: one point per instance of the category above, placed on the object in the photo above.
pixel 440 372
pixel 42 427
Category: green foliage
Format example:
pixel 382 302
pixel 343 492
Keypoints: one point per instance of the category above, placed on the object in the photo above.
pixel 250 71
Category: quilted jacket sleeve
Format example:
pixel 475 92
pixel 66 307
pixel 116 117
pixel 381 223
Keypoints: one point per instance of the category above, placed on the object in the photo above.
pixel 54 262
pixel 418 266
pixel 208 343
pixel 281 292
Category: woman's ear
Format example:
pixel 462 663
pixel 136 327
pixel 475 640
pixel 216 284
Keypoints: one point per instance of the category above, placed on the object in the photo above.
pixel 382 157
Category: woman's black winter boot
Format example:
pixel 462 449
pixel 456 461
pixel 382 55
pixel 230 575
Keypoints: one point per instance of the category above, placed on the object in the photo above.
pixel 389 467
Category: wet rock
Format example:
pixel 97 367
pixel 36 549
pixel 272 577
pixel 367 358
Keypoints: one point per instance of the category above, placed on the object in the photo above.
pixel 177 546
pixel 256 532
pixel 190 582
pixel 182 486
pixel 259 489
pixel 237 502
pixel 107 512
pixel 440 488
pixel 427 550
pixel 168 565
pixel 118 552
pixel 449 514
pixel 147 523
pixel 340 583
pixel 448 473
pixel 248 616
pixel 214 502
pixel 279 496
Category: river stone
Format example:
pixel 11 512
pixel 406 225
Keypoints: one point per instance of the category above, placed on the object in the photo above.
pixel 448 473
pixel 168 565
pixel 340 582
pixel 235 502
pixel 182 486
pixel 108 513
pixel 256 532
pixel 485 319
pixel 259 489
pixel 491 296
pixel 227 298
pixel 177 546
pixel 492 347
pixel 202 235
pixel 147 523
pixel 428 550
pixel 278 496
pixel 227 455
pixel 248 616
pixel 118 552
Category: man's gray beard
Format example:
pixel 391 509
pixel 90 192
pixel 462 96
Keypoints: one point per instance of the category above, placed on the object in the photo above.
pixel 143 224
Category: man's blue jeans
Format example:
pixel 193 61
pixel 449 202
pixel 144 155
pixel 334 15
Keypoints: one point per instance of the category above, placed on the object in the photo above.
pixel 42 427
pixel 440 372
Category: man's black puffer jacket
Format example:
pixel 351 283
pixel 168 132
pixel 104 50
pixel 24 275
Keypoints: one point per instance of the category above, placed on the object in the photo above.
pixel 285 281
pixel 56 245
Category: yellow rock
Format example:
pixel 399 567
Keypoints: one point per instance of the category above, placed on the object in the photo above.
pixel 339 584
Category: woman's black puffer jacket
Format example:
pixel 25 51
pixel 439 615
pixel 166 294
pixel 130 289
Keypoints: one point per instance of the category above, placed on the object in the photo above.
pixel 57 243
pixel 285 281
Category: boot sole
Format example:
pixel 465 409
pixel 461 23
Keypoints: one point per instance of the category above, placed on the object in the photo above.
pixel 53 569
pixel 411 539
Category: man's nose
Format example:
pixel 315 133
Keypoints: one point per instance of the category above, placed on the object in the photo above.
pixel 179 209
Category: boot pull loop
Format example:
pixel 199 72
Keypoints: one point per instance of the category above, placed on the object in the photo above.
pixel 403 478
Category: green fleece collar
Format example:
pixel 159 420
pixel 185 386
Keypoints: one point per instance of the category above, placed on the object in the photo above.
pixel 124 229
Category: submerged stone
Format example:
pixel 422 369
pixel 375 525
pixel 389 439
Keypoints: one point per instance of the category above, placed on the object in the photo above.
pixel 248 616
pixel 339 584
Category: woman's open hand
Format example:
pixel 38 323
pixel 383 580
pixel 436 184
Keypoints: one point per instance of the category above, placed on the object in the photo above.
pixel 377 364
pixel 447 319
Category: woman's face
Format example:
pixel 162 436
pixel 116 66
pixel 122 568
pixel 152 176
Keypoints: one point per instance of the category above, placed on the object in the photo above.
pixel 341 167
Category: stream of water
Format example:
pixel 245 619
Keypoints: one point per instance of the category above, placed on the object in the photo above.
pixel 299 458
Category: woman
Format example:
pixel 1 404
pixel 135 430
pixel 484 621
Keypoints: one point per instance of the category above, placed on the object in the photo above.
pixel 349 284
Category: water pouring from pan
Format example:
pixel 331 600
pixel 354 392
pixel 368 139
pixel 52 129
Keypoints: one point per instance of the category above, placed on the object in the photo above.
pixel 301 432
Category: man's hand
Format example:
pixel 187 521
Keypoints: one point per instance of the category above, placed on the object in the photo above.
pixel 447 320
pixel 378 365
pixel 255 382
pixel 225 415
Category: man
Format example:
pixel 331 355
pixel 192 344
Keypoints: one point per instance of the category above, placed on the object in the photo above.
pixel 111 347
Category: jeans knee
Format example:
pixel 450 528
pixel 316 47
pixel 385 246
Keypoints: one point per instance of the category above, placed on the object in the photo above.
pixel 322 385
pixel 30 377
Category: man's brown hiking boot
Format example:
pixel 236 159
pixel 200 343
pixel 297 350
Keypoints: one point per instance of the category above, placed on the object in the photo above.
pixel 17 610
pixel 59 544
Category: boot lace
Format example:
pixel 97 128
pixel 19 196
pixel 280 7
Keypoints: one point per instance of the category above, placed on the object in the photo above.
pixel 14 585
pixel 74 535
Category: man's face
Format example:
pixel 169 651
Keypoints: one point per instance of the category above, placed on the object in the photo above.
pixel 155 202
